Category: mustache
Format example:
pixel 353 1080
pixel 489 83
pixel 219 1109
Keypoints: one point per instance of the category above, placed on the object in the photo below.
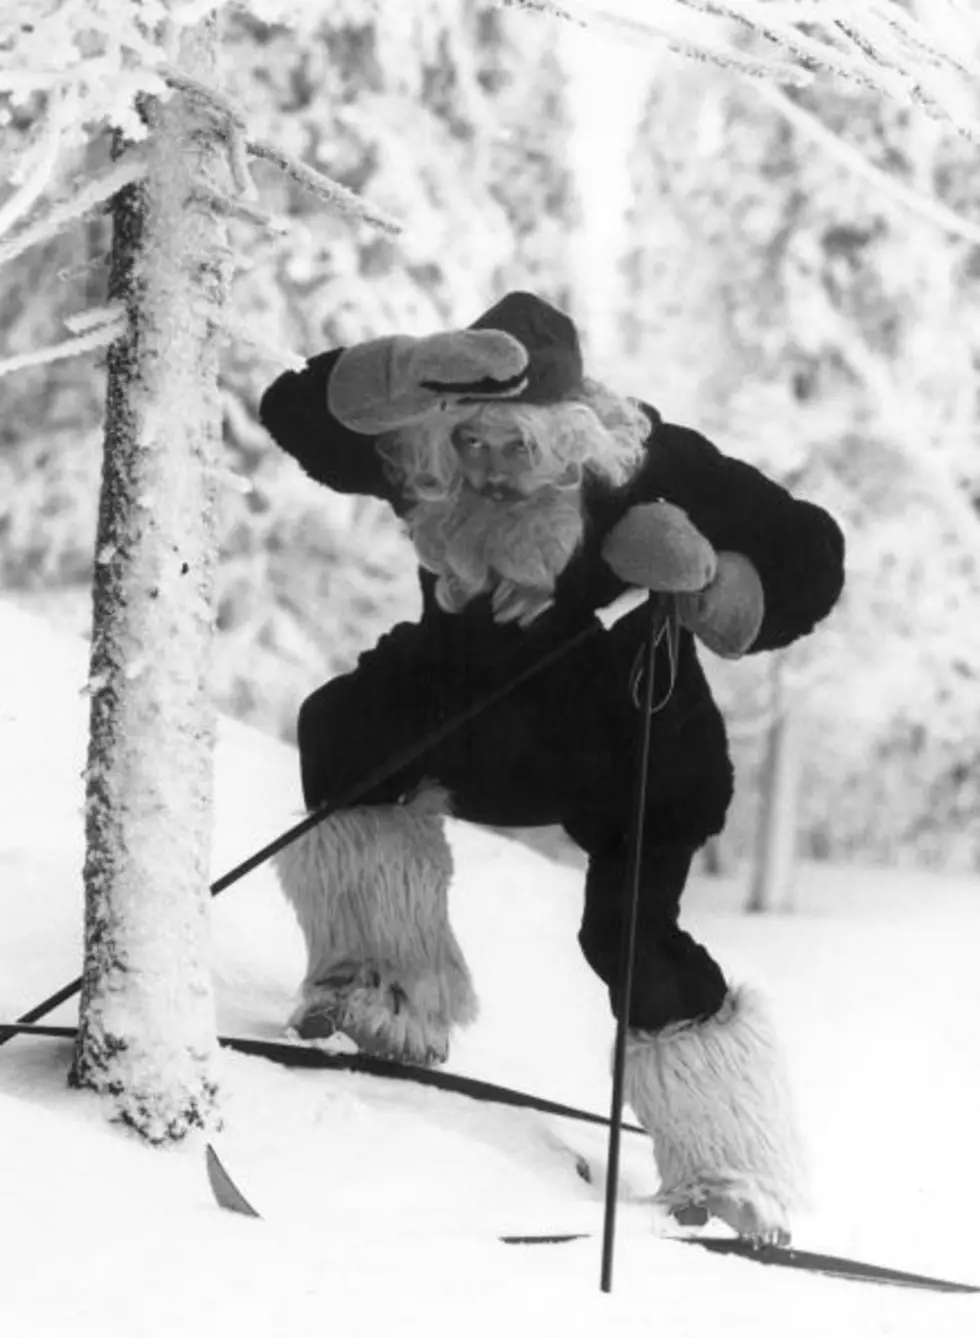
pixel 471 539
pixel 497 492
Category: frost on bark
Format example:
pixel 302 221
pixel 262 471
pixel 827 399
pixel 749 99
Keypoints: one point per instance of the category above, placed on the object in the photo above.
pixel 146 1034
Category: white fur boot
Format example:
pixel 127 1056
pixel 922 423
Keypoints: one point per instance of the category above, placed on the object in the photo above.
pixel 369 886
pixel 714 1095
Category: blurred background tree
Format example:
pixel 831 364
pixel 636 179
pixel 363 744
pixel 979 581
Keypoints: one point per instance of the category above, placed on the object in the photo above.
pixel 836 330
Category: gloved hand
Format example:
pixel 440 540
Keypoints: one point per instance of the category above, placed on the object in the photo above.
pixel 655 545
pixel 387 383
pixel 727 614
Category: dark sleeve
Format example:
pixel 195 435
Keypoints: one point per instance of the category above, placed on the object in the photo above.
pixel 294 411
pixel 796 547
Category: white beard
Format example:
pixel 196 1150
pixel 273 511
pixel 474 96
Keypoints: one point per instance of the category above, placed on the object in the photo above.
pixel 472 542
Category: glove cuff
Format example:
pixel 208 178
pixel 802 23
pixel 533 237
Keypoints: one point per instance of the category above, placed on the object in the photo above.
pixel 727 615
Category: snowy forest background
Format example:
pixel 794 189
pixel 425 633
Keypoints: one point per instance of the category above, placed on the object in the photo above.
pixel 795 273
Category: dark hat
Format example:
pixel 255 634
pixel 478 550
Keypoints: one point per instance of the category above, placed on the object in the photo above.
pixel 551 340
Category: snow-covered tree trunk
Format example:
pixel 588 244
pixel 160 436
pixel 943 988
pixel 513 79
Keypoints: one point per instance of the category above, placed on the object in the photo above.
pixel 147 1020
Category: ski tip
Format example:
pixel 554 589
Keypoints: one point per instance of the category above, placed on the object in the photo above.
pixel 783 1256
pixel 851 1270
pixel 226 1192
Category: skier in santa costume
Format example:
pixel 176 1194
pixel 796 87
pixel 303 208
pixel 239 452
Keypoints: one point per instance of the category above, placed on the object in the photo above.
pixel 534 497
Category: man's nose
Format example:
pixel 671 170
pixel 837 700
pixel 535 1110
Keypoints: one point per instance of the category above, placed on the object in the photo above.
pixel 498 467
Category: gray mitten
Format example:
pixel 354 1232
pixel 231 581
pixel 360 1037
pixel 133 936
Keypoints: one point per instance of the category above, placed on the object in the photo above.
pixel 386 383
pixel 728 613
pixel 657 546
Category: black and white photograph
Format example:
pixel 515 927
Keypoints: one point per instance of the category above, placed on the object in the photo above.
pixel 489 668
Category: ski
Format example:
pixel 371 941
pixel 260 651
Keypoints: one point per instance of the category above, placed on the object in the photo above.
pixel 779 1256
pixel 293 1055
pixel 230 1197
pixel 226 1192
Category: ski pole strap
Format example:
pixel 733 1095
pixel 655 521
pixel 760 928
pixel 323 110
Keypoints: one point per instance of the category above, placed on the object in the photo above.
pixel 668 633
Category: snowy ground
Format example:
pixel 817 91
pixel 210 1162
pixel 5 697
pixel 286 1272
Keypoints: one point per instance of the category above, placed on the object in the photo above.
pixel 381 1202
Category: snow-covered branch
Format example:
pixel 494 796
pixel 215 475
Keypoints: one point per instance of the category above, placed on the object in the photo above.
pixel 920 72
pixel 96 62
pixel 93 317
pixel 211 99
pixel 69 348
pixel 34 173
pixel 231 124
pixel 929 59
pixel 934 45
pixel 805 48
pixel 93 193
pixel 344 201
pixel 238 158
pixel 647 31
pixel 233 206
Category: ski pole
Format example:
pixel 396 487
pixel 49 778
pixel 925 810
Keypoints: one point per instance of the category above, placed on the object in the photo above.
pixel 662 613
pixel 411 753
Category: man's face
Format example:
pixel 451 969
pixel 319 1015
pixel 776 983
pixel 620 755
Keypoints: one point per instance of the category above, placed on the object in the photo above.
pixel 496 461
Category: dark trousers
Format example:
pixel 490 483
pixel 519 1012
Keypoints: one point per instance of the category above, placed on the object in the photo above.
pixel 559 750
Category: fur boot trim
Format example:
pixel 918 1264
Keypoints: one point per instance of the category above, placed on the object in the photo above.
pixel 714 1096
pixel 369 886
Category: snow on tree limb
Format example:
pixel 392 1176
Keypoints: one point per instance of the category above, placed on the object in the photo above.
pixel 104 59
pixel 232 206
pixel 645 30
pixel 34 174
pixel 925 59
pixel 933 210
pixel 124 172
pixel 212 99
pixel 551 10
pixel 919 78
pixel 809 51
pixel 68 348
pixel 238 159
pixel 345 201
pixel 932 45
pixel 232 124
pixel 93 316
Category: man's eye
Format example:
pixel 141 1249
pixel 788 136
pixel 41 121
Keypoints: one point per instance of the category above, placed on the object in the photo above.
pixel 515 449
